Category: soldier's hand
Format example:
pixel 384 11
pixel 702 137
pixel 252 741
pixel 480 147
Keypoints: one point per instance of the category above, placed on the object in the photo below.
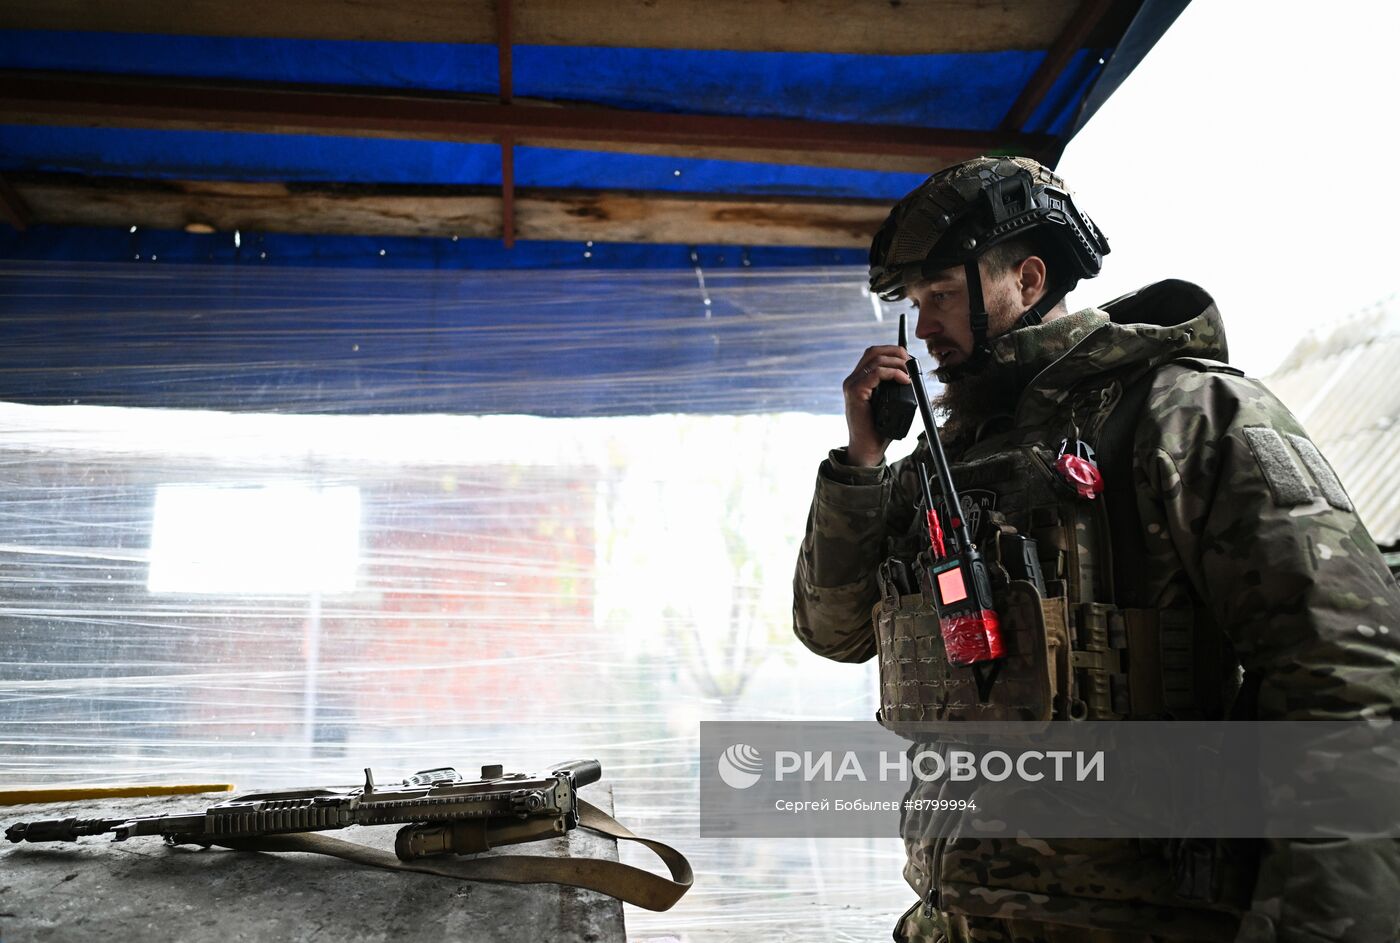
pixel 866 446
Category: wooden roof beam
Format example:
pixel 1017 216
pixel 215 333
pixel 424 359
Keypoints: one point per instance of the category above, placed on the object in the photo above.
pixel 115 101
pixel 506 81
pixel 573 216
pixel 1070 41
pixel 866 27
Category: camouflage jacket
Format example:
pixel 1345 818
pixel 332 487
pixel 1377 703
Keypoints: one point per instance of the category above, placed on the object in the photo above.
pixel 1271 550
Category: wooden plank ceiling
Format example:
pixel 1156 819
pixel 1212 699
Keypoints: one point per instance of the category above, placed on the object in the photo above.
pixel 898 27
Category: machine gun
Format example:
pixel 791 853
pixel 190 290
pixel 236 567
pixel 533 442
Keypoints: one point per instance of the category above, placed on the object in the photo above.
pixel 441 811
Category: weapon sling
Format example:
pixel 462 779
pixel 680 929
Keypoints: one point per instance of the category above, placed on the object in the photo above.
pixel 622 881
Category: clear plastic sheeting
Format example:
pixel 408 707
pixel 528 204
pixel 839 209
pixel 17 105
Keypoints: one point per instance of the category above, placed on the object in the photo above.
pixel 283 599
pixel 721 337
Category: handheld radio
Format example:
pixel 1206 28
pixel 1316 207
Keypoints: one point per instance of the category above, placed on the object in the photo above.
pixel 893 403
pixel 958 575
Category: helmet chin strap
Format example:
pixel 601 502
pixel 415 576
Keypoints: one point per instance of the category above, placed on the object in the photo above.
pixel 978 307
pixel 979 319
pixel 1037 312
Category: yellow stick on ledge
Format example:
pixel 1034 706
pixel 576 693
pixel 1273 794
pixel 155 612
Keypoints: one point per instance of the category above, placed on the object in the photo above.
pixel 33 794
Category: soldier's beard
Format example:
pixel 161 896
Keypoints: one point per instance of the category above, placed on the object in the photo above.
pixel 970 402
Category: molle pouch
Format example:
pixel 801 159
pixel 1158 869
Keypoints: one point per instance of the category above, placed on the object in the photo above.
pixel 1021 560
pixel 920 691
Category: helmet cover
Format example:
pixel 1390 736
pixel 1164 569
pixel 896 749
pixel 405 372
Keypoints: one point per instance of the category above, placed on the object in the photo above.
pixel 962 211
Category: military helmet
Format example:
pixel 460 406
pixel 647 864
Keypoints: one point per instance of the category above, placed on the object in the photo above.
pixel 964 210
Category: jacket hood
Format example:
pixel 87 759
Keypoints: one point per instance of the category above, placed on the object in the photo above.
pixel 1164 321
pixel 1149 327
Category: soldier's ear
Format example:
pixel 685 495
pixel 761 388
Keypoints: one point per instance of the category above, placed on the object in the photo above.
pixel 1031 275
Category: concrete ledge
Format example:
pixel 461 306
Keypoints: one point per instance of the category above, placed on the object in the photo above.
pixel 141 889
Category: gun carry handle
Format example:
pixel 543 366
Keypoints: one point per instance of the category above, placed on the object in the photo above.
pixel 584 772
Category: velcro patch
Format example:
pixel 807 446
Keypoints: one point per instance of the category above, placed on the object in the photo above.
pixel 1285 478
pixel 1326 479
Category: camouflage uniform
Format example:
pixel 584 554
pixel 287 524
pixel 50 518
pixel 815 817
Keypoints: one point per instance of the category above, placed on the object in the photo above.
pixel 1257 536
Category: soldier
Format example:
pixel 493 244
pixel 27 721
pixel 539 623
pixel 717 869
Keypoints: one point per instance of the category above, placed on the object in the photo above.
pixel 1224 562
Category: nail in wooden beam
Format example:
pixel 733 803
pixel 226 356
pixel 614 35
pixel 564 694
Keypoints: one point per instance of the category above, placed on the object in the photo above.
pixel 1061 51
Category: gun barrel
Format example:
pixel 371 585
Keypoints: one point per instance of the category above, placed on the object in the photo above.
pixel 158 825
pixel 70 829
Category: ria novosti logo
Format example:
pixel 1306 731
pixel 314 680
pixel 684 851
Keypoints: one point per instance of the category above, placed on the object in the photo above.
pixel 740 766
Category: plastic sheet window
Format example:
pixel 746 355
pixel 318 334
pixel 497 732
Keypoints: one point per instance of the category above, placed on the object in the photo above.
pixel 284 538
pixel 277 599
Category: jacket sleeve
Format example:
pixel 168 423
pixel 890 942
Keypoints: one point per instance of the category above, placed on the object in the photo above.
pixel 852 516
pixel 1273 548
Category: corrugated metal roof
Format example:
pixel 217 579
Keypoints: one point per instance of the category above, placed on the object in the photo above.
pixel 1342 385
